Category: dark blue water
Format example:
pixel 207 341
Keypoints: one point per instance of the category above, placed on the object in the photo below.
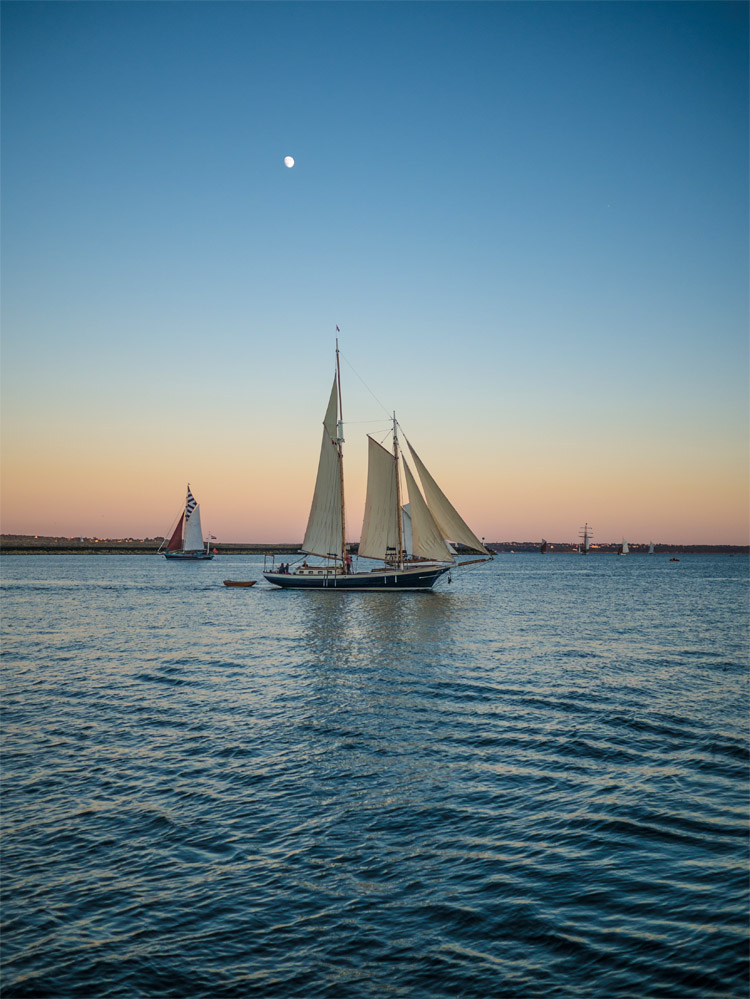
pixel 531 783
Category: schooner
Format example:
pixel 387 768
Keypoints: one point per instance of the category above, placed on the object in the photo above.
pixel 411 538
pixel 585 535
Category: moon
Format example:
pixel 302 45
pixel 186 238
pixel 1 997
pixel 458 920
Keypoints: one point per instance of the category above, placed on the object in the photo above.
pixel 289 161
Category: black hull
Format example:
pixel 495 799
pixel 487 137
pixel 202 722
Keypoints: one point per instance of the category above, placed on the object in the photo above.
pixel 386 579
pixel 188 556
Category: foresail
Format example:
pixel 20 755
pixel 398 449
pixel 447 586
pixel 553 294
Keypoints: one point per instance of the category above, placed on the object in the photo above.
pixel 193 540
pixel 323 534
pixel 451 524
pixel 175 542
pixel 427 539
pixel 380 524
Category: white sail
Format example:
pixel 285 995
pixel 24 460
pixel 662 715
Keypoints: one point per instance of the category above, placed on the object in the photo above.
pixel 651 548
pixel 427 538
pixel 324 532
pixel 625 549
pixel 406 529
pixel 380 524
pixel 192 539
pixel 446 516
pixel 407 532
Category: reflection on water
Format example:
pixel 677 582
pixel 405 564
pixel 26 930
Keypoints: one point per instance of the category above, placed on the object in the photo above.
pixel 369 659
pixel 348 630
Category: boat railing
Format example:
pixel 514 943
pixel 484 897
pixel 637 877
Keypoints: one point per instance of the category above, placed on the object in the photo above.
pixel 301 569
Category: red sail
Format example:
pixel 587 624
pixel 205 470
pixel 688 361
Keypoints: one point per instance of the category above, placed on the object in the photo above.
pixel 175 542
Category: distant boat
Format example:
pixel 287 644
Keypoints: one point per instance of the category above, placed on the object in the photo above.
pixel 543 547
pixel 186 542
pixel 412 542
pixel 623 549
pixel 650 548
pixel 585 535
pixel 239 582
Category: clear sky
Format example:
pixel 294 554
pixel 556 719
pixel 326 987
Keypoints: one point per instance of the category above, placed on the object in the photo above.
pixel 529 220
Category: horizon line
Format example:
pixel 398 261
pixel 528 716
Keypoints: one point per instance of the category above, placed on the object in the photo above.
pixel 92 539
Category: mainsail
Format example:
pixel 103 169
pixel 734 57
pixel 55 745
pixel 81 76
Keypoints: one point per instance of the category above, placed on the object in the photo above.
pixel 406 529
pixel 193 540
pixel 450 522
pixel 324 534
pixel 380 525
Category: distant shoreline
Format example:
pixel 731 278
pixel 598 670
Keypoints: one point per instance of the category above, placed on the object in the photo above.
pixel 14 544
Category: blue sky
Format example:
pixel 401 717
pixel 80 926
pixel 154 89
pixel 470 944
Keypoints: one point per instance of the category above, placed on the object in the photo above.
pixel 530 221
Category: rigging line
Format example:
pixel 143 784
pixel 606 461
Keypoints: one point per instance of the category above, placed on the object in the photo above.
pixel 350 423
pixel 366 385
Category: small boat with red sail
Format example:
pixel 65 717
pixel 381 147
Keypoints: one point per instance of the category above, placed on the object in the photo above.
pixel 186 540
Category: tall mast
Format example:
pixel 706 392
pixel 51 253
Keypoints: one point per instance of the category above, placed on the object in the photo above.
pixel 398 498
pixel 585 535
pixel 339 442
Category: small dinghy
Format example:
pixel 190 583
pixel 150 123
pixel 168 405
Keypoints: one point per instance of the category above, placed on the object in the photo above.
pixel 239 582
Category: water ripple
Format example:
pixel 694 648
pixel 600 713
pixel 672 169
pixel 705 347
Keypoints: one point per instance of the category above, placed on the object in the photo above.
pixel 505 789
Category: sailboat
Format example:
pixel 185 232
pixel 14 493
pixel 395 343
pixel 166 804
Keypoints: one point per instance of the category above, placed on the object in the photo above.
pixel 186 541
pixel 650 548
pixel 410 539
pixel 543 547
pixel 623 549
pixel 585 535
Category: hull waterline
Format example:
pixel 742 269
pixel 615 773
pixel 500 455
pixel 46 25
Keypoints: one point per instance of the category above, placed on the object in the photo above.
pixel 386 579
pixel 189 556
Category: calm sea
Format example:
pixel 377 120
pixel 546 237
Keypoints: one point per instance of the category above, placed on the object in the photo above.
pixel 531 783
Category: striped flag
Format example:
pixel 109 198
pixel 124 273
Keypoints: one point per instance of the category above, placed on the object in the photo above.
pixel 190 504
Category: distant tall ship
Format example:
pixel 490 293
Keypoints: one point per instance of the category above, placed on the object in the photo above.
pixel 186 541
pixel 585 534
pixel 411 539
